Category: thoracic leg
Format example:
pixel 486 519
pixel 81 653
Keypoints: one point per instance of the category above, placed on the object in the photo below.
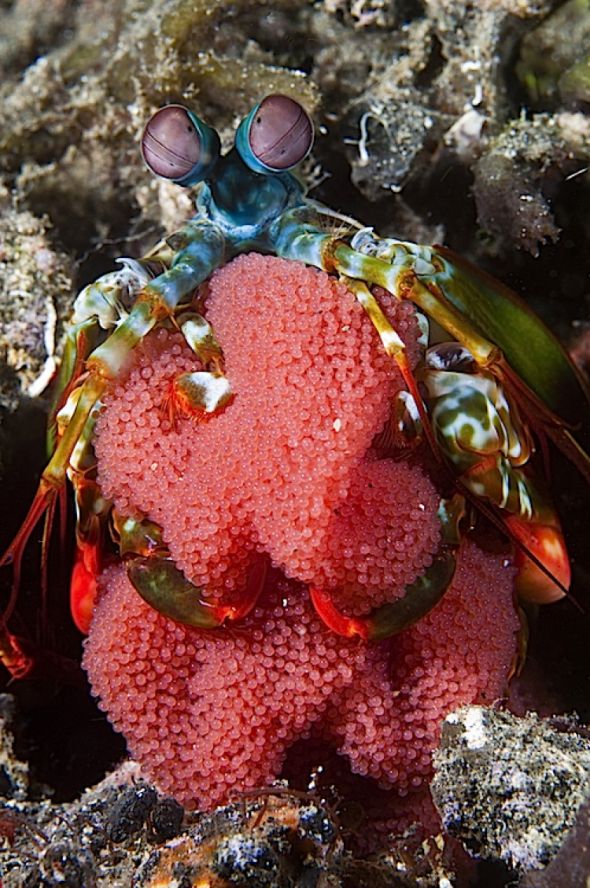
pixel 203 251
pixel 297 235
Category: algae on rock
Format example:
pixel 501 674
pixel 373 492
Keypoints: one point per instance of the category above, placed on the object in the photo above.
pixel 509 788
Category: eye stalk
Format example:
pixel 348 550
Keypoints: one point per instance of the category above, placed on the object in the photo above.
pixel 177 145
pixel 275 136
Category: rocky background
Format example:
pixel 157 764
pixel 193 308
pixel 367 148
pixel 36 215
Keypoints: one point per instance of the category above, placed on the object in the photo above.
pixel 437 121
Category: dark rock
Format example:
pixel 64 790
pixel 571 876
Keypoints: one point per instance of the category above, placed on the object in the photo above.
pixel 130 812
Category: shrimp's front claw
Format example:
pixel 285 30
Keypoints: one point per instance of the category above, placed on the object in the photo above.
pixel 164 587
pixel 419 597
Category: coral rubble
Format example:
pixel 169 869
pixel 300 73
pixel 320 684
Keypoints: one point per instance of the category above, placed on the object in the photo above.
pixel 571 864
pixel 35 291
pixel 510 788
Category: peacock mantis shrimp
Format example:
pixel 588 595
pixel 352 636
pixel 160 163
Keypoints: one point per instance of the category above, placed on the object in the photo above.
pixel 475 399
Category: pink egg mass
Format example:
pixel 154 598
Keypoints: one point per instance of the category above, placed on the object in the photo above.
pixel 292 472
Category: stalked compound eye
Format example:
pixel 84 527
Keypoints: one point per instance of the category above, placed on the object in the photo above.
pixel 177 145
pixel 275 136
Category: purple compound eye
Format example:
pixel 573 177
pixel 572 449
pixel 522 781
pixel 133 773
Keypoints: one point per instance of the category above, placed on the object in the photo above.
pixel 177 145
pixel 280 133
pixel 170 144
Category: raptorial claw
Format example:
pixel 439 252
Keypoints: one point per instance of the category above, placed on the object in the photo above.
pixel 163 586
pixel 483 435
pixel 419 597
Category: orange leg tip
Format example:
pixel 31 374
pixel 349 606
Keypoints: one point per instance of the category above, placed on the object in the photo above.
pixel 544 572
pixel 532 583
pixel 83 587
pixel 247 600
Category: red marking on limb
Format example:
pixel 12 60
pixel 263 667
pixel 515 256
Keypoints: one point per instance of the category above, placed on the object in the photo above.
pixel 546 576
pixel 83 585
pixel 249 596
pixel 328 613
pixel 176 406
